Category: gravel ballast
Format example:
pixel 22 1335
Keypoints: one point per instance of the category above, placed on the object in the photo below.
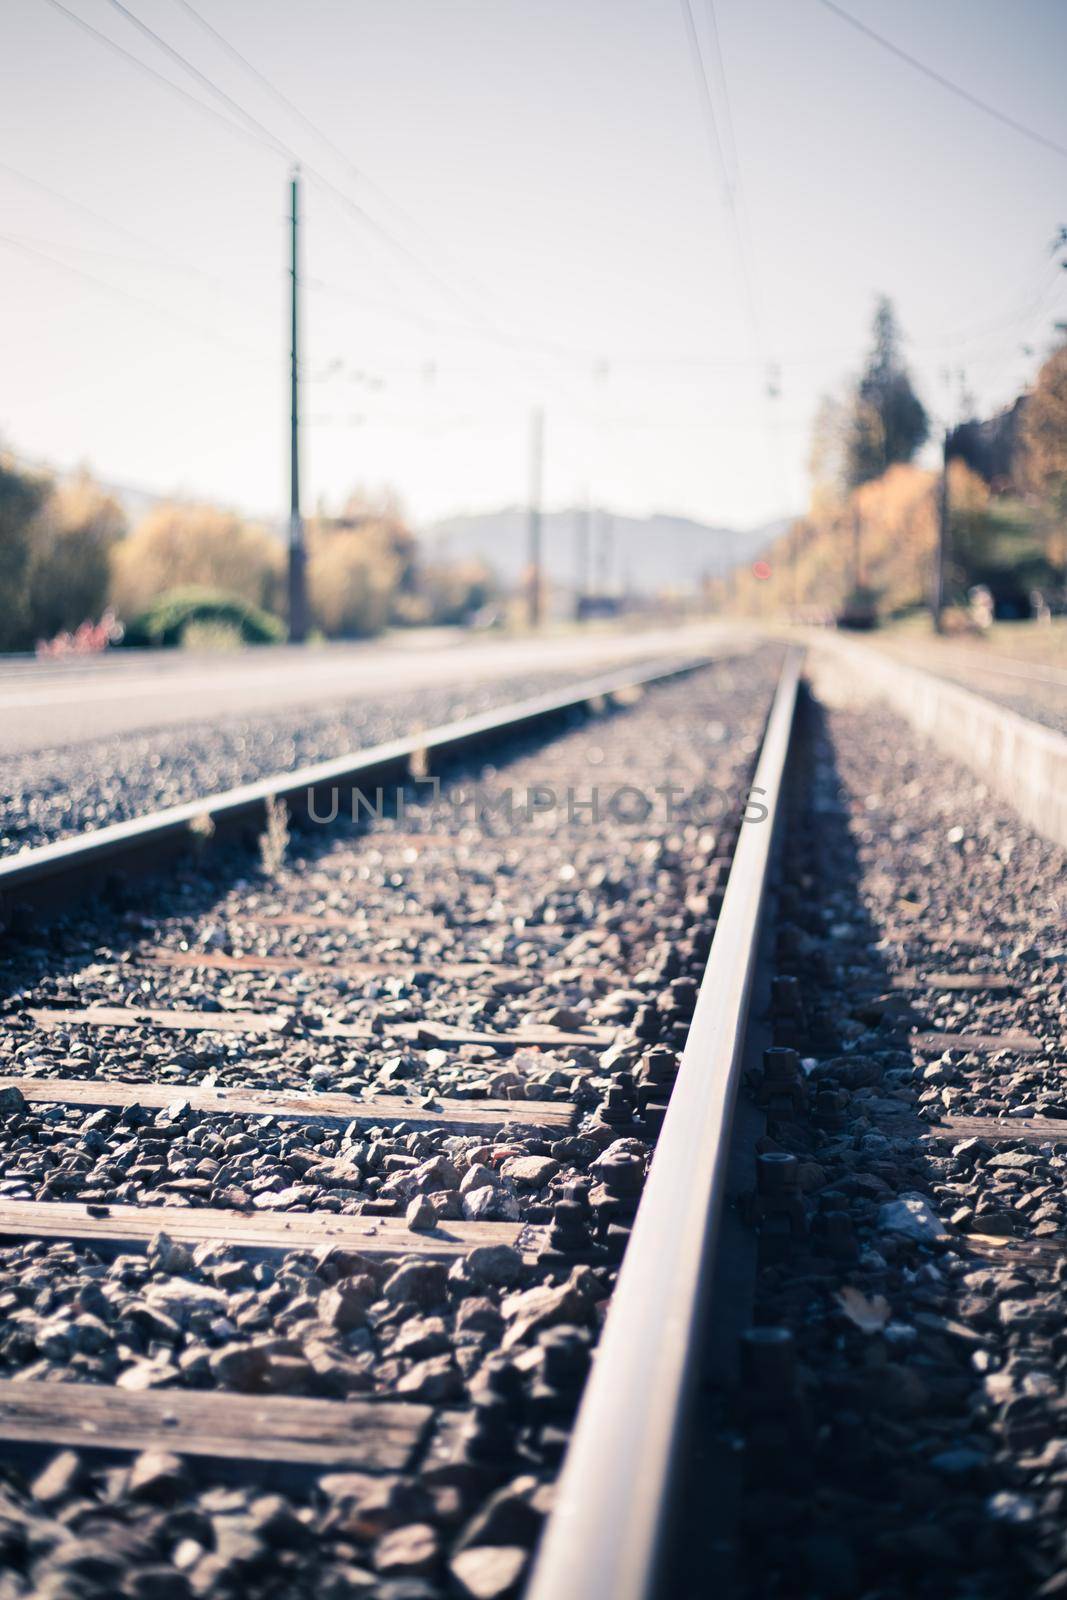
pixel 912 1439
pixel 53 794
pixel 581 924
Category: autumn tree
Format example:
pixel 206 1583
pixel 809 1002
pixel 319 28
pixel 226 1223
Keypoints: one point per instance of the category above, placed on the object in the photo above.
pixel 826 461
pixel 67 574
pixel 21 498
pixel 1044 440
pixel 362 567
pixel 191 546
pixel 55 540
pixel 885 422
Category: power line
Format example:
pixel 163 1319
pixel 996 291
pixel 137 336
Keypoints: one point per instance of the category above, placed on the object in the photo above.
pixel 296 111
pixel 737 193
pixel 738 216
pixel 1006 323
pixel 271 88
pixel 67 200
pixel 264 137
pixel 354 209
pixel 728 121
pixel 154 258
pixel 711 124
pixel 160 77
pixel 1040 308
pixel 772 373
pixel 946 83
pixel 707 104
pixel 201 77
pixel 284 100
pixel 351 206
pixel 116 290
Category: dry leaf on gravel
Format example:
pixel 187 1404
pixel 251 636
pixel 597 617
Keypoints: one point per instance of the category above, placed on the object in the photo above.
pixel 870 1315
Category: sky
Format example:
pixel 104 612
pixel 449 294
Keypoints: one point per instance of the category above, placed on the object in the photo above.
pixel 511 204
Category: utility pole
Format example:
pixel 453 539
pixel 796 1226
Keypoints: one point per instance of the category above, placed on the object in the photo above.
pixel 581 556
pixel 533 557
pixel 297 553
pixel 941 556
pixel 857 547
pixel 605 552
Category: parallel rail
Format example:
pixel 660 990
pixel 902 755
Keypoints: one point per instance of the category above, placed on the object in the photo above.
pixel 605 1539
pixel 63 869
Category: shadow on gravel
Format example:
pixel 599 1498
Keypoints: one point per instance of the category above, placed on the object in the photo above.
pixel 865 1455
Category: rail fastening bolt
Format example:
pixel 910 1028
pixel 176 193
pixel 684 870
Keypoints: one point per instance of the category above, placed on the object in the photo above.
pixel 776 1173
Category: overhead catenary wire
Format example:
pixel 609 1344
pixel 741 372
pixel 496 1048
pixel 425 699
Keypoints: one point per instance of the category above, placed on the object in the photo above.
pixel 282 147
pixel 711 124
pixel 150 71
pixel 737 191
pixel 249 129
pixel 434 326
pixel 11 242
pixel 1040 308
pixel 68 200
pixel 294 110
pixel 349 206
pixel 194 71
pixel 556 353
pixel 734 205
pixel 271 88
pixel 946 83
pixel 278 95
pixel 154 258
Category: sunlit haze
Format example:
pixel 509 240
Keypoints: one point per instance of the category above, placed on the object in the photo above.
pixel 563 236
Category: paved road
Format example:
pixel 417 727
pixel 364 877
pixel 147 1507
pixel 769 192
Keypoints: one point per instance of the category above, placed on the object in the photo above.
pixel 50 705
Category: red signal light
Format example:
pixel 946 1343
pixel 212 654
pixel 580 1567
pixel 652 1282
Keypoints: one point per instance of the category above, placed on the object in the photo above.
pixel 761 570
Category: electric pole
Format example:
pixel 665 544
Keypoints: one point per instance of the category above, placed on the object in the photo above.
pixel 941 555
pixel 297 554
pixel 606 552
pixel 581 557
pixel 537 456
pixel 857 548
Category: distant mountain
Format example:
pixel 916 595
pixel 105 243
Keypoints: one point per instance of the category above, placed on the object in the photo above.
pixel 639 555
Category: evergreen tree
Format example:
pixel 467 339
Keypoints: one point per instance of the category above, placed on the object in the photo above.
pixel 886 420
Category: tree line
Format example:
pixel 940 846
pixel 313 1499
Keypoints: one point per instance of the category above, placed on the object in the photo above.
pixel 197 573
pixel 867 546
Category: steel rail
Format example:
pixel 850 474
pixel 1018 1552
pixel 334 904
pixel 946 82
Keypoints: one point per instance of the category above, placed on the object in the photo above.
pixel 605 1537
pixel 37 874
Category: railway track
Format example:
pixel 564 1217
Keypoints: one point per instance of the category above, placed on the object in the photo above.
pixel 584 1196
pixel 854 1381
pixel 316 1178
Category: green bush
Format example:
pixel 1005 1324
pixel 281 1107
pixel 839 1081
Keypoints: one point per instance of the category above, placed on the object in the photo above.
pixel 211 638
pixel 167 620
